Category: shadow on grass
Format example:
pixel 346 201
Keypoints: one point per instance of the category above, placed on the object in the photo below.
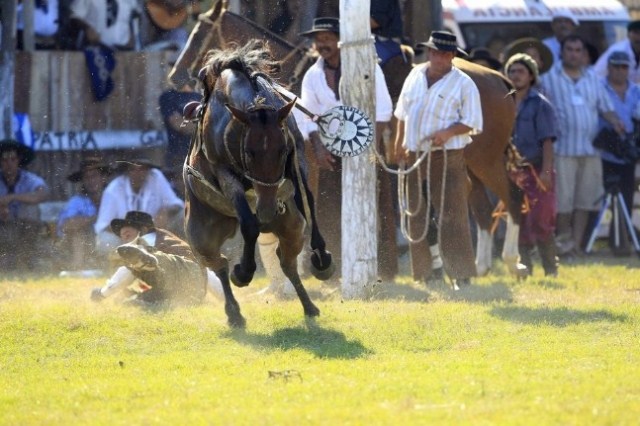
pixel 321 342
pixel 558 317
pixel 495 292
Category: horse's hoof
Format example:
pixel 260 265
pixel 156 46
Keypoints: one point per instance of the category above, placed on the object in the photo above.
pixel 237 322
pixel 239 277
pixel 312 311
pixel 322 267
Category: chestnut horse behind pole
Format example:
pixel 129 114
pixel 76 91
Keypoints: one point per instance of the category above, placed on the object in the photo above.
pixel 246 168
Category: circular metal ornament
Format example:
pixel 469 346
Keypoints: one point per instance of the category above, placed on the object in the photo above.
pixel 345 131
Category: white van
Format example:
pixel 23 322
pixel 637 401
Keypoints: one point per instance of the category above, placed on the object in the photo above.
pixel 495 23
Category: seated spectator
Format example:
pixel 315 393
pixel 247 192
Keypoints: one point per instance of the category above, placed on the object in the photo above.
pixel 162 24
pixel 45 24
pixel 164 265
pixel 141 187
pixel 75 224
pixel 20 193
pixel 106 22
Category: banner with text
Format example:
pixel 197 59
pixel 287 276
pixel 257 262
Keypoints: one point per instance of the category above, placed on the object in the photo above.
pixel 98 139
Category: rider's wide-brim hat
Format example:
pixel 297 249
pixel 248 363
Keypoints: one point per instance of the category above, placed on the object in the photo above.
pixel 322 25
pixel 135 219
pixel 25 153
pixel 522 44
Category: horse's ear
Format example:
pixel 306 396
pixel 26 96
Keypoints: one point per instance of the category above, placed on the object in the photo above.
pixel 284 112
pixel 238 114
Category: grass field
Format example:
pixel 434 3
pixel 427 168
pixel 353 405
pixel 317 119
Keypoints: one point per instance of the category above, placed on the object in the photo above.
pixel 544 351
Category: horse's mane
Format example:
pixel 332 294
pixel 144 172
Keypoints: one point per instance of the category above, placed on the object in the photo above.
pixel 254 57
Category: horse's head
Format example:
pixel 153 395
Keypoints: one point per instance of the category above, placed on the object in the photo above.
pixel 265 147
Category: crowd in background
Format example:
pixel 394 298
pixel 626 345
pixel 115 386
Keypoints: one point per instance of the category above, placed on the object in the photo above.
pixel 572 94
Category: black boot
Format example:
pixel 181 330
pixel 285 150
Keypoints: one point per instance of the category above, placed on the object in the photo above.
pixel 549 258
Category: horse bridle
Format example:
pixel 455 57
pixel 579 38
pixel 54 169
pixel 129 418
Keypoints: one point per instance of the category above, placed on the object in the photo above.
pixel 242 167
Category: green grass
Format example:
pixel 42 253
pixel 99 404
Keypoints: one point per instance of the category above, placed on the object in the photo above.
pixel 544 351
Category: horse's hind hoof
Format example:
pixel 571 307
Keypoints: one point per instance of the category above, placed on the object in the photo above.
pixel 238 322
pixel 312 311
pixel 322 267
pixel 239 277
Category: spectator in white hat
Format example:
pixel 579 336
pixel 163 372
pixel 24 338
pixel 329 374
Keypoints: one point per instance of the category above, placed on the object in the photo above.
pixel 563 23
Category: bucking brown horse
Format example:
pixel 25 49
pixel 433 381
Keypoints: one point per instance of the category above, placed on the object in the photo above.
pixel 246 169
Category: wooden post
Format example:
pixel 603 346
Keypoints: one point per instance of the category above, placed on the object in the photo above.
pixel 28 30
pixel 359 207
pixel 7 60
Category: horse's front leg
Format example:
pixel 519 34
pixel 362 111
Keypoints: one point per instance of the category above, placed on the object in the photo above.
pixel 242 273
pixel 290 232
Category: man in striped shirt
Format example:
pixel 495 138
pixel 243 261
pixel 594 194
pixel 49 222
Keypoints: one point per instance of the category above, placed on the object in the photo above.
pixel 579 98
pixel 438 110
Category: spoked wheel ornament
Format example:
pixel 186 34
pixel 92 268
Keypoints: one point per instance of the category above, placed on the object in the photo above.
pixel 345 131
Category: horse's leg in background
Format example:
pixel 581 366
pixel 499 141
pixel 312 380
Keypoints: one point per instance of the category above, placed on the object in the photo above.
pixel 482 210
pixel 494 176
pixel 206 231
pixel 290 231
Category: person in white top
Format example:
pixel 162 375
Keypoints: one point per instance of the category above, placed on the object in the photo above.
pixel 142 187
pixel 563 23
pixel 106 22
pixel 321 92
pixel 630 45
pixel 438 111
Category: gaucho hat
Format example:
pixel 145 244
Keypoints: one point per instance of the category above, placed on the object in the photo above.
pixel 522 44
pixel 138 161
pixel 135 219
pixel 441 40
pixel 323 24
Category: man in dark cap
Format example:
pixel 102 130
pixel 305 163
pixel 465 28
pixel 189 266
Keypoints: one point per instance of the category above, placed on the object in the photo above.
pixel 438 111
pixel 141 187
pixel 76 220
pixel 630 45
pixel 20 193
pixel 162 264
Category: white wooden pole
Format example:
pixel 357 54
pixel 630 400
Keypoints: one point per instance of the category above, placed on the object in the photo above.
pixel 359 206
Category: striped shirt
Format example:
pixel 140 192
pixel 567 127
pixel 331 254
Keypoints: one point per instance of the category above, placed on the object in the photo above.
pixel 425 110
pixel 578 104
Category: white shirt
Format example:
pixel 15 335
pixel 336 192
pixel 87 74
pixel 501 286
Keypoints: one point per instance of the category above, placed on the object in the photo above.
pixel 317 96
pixel 118 198
pixel 623 45
pixel 111 19
pixel 45 20
pixel 425 110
